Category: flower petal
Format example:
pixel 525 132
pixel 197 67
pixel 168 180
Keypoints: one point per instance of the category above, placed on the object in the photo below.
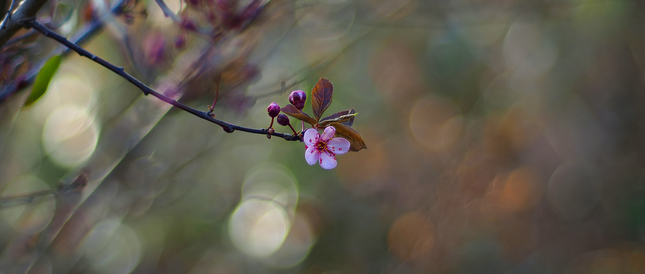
pixel 338 145
pixel 312 155
pixel 328 134
pixel 311 137
pixel 327 160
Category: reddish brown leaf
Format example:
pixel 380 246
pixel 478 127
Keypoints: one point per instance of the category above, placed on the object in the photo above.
pixel 345 116
pixel 350 122
pixel 321 96
pixel 292 111
pixel 354 138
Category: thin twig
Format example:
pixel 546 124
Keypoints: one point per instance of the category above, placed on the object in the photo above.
pixel 228 127
pixel 8 17
pixel 14 200
pixel 76 186
pixel 167 11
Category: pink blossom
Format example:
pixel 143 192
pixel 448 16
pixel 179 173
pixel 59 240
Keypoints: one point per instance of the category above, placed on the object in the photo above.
pixel 323 148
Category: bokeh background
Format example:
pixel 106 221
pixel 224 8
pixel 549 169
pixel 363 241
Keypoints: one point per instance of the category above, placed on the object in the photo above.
pixel 503 137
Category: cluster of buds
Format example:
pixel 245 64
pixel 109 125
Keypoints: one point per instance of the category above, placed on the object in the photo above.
pixel 296 98
pixel 337 137
pixel 320 148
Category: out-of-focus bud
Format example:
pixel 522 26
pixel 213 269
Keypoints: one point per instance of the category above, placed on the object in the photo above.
pixel 88 12
pixel 271 131
pixel 232 21
pixel 193 3
pixel 298 99
pixel 180 41
pixel 129 20
pixel 155 48
pixel 283 120
pixel 210 16
pixel 188 24
pixel 273 109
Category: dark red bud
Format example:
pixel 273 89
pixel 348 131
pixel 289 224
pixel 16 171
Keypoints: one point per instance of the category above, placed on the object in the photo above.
pixel 298 99
pixel 283 120
pixel 273 109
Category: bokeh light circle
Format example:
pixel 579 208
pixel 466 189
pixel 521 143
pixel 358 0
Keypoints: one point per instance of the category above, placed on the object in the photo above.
pixel 435 124
pixel 296 245
pixel 70 135
pixel 112 247
pixel 258 227
pixel 573 191
pixel 411 236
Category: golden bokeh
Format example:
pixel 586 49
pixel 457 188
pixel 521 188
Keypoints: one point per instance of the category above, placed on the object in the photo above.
pixel 411 237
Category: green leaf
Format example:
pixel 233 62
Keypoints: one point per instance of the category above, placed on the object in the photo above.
pixel 42 80
pixel 321 96
pixel 292 111
pixel 345 117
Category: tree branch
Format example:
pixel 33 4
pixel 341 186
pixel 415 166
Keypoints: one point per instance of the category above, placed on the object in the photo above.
pixel 75 186
pixel 167 12
pixel 27 10
pixel 228 127
pixel 9 11
pixel 8 89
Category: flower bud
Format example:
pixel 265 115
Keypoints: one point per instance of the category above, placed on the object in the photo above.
pixel 273 109
pixel 298 98
pixel 283 119
pixel 180 41
pixel 188 24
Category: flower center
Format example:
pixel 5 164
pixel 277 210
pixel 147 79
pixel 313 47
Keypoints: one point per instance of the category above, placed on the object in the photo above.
pixel 321 146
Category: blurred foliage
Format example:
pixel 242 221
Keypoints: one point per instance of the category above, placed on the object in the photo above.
pixel 504 136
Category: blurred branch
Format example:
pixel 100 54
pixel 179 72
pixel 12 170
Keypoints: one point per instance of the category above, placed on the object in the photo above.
pixel 167 11
pixel 12 24
pixel 82 36
pixel 76 186
pixel 8 16
pixel 228 127
pixel 24 198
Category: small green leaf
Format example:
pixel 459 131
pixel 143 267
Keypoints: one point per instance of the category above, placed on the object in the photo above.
pixel 42 80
